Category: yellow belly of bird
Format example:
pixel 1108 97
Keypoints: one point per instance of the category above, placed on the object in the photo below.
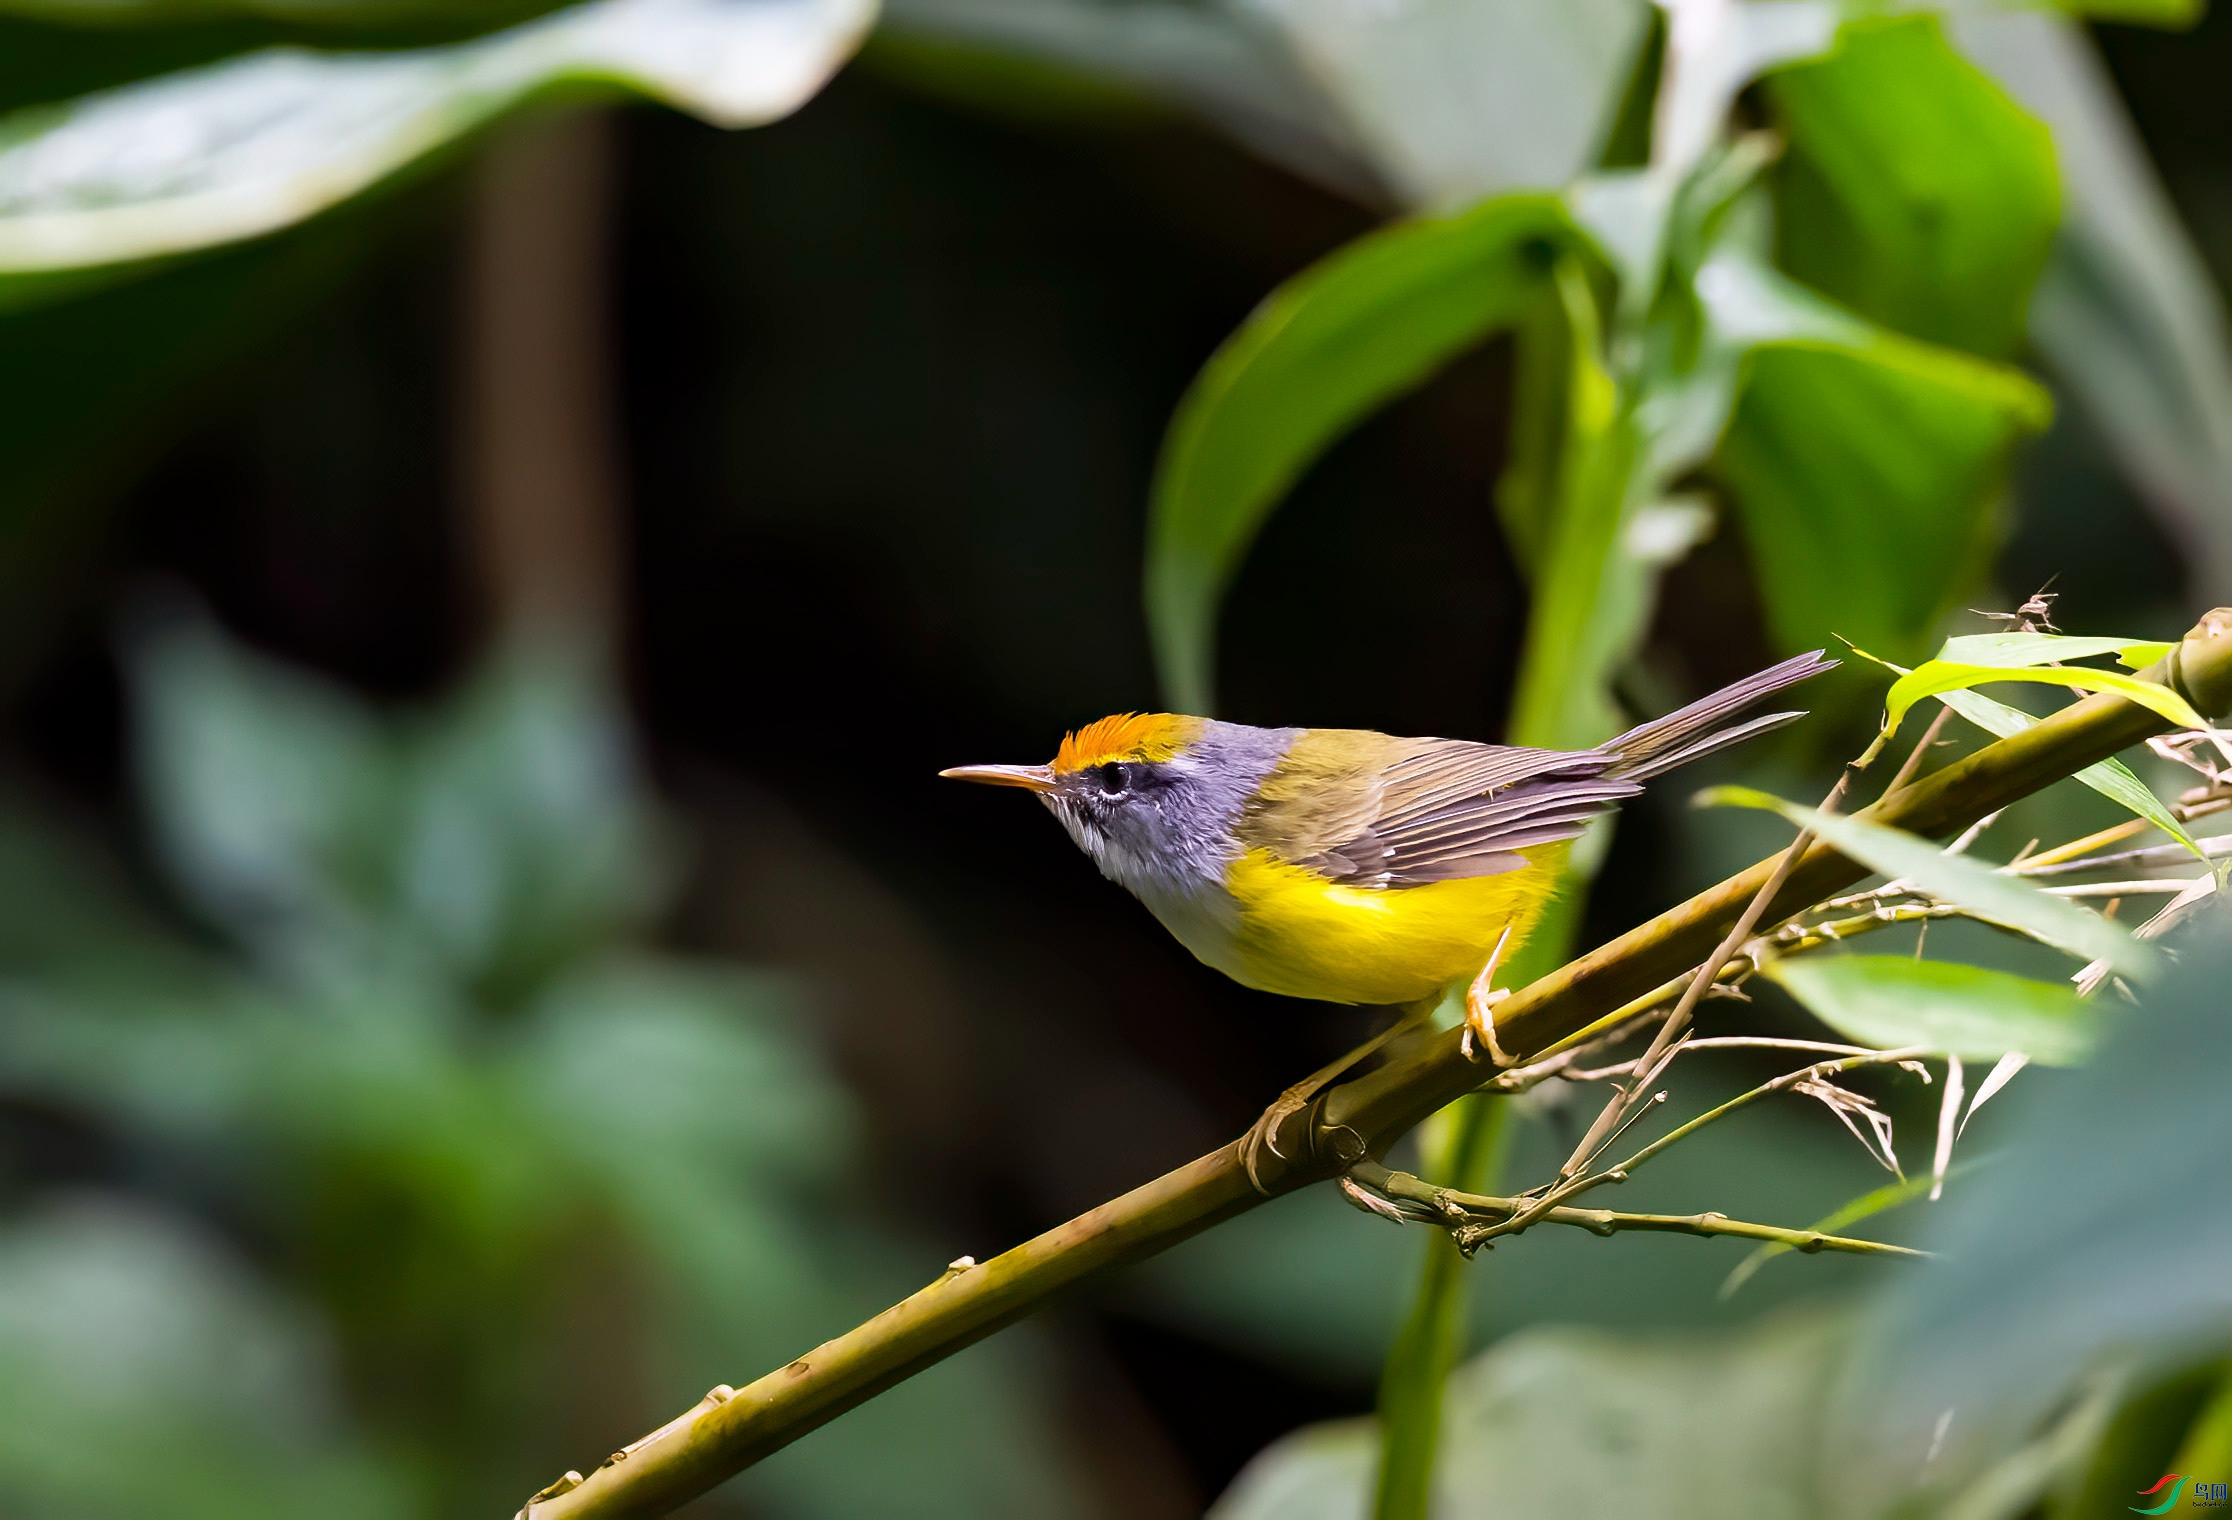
pixel 1304 936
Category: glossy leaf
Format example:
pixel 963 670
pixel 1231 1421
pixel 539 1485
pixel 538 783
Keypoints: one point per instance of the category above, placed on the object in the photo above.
pixel 1957 879
pixel 1934 677
pixel 256 143
pixel 1915 191
pixel 2046 648
pixel 1369 323
pixel 2111 777
pixel 1894 1001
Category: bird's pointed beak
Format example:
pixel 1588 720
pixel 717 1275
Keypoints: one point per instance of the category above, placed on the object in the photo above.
pixel 1035 778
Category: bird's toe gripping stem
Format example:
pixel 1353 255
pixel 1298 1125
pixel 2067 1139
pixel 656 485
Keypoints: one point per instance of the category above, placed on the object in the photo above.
pixel 1481 999
pixel 1293 1135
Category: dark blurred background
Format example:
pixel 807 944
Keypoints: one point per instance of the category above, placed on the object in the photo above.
pixel 886 384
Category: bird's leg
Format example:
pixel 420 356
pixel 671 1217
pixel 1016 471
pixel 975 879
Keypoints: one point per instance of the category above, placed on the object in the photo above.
pixel 1263 1137
pixel 1480 1006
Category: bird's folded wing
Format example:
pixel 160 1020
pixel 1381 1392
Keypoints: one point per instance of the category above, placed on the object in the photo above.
pixel 1451 809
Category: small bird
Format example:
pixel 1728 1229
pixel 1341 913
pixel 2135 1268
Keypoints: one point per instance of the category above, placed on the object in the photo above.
pixel 1351 866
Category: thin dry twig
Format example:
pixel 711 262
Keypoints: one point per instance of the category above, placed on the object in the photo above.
pixel 1406 1199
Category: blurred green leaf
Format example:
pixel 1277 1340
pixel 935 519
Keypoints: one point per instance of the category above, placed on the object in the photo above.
pixel 525 834
pixel 2111 777
pixel 1370 322
pixel 1894 1001
pixel 149 1375
pixel 273 797
pixel 1915 190
pixel 2098 1242
pixel 496 835
pixel 1865 477
pixel 441 1093
pixel 253 144
pixel 1957 879
pixel 1669 1427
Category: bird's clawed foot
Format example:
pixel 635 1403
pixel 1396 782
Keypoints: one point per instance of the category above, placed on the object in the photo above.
pixel 1481 999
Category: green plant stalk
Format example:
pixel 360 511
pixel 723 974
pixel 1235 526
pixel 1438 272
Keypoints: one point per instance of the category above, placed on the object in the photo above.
pixel 1563 502
pixel 732 1429
pixel 1433 1337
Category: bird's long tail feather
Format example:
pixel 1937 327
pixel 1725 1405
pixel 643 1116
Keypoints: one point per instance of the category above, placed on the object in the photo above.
pixel 1693 732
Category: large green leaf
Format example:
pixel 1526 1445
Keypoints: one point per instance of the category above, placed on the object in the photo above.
pixel 255 143
pixel 1915 191
pixel 1374 320
pixel 1957 879
pixel 1894 1001
pixel 1665 1427
pixel 1866 478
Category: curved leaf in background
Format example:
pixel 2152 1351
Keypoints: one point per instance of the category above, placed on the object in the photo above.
pixel 1914 191
pixel 1326 349
pixel 256 143
pixel 1457 99
pixel 1894 1001
pixel 1221 63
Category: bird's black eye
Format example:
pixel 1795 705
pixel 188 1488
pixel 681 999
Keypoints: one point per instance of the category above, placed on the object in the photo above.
pixel 1115 779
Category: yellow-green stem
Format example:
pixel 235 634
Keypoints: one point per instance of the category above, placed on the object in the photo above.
pixel 1433 1337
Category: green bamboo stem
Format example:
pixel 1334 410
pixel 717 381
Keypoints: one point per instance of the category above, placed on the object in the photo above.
pixel 1433 1336
pixel 1355 1118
